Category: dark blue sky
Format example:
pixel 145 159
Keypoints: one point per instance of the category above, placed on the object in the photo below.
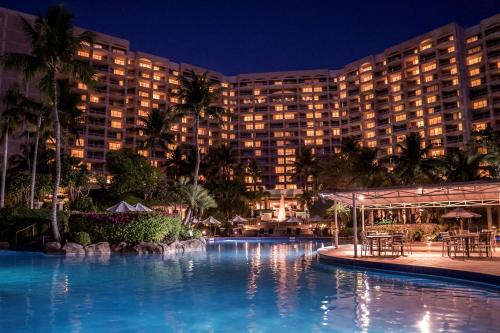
pixel 259 36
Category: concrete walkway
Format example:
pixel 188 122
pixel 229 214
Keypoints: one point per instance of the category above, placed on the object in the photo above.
pixel 426 259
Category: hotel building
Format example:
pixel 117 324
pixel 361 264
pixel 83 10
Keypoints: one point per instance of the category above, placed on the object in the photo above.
pixel 441 84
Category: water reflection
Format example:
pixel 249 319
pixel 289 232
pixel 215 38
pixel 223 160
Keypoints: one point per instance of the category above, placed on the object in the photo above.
pixel 233 286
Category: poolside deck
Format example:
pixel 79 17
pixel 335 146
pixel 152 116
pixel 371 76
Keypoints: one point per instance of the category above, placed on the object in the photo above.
pixel 426 259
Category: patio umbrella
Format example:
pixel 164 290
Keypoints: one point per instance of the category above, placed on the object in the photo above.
pixel 121 207
pixel 292 219
pixel 460 214
pixel 239 220
pixel 211 220
pixel 141 208
pixel 315 218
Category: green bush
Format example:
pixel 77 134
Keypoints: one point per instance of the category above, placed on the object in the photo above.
pixel 130 228
pixel 82 238
pixel 83 204
pixel 184 233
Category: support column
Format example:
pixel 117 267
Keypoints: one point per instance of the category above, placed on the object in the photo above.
pixel 363 218
pixel 336 225
pixel 498 215
pixel 354 225
pixel 489 217
pixel 371 217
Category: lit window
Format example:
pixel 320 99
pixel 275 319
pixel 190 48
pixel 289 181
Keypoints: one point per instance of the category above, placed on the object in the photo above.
pixel 77 153
pixel 472 39
pixel 435 131
pixel 116 113
pixel 94 99
pixel 479 104
pixel 474 71
pixel 85 54
pixel 307 89
pixel 431 99
pixel 475 82
pixel 119 61
pixel 429 67
pixel 114 145
pixel 474 59
pixel 118 71
pixel 435 121
pixel 400 117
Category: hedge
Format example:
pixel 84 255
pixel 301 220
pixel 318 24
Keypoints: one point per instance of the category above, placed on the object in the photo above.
pixel 127 227
pixel 420 232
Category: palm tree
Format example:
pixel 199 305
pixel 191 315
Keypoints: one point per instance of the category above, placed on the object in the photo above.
pixel 177 163
pixel 198 96
pixel 10 119
pixel 305 165
pixel 463 165
pixel 54 45
pixel 254 171
pixel 157 128
pixel 196 196
pixel 412 164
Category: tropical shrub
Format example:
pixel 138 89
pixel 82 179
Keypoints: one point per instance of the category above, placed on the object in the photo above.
pixel 184 233
pixel 128 227
pixel 82 238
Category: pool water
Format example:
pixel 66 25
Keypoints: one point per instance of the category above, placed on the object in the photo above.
pixel 234 286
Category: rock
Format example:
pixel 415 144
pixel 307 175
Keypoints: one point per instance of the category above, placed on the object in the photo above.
pixel 177 247
pixel 73 249
pixel 165 247
pixel 4 245
pixel 120 247
pixel 203 240
pixel 101 248
pixel 193 244
pixel 53 247
pixel 148 247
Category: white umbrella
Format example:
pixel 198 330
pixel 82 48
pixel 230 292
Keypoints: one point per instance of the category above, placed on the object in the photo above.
pixel 292 219
pixel 211 220
pixel 141 208
pixel 239 220
pixel 121 207
pixel 459 213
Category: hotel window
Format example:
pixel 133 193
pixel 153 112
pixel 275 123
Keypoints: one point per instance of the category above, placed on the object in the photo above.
pixel 365 78
pixel 280 169
pixel 418 102
pixel 256 92
pixel 144 104
pixel 396 98
pixel 336 131
pixel 335 114
pixel 79 142
pixel 307 89
pixel 396 88
pixel 119 61
pixel 96 56
pixel 474 71
pixel 85 54
pixel 453 70
pixel 116 113
pixel 474 49
pixel 420 123
pixel 289 115
pixel 431 99
pixel 399 107
pixel 425 46
pixel 82 86
pixel 278 108
pixel 428 78
pixel 144 65
pixel 395 77
pixel 114 145
pixel 370 134
pixel 472 39
pixel 318 89
pixel 319 141
pixel 94 99
pixel 258 117
pixel 429 67
pixel 474 60
pixel 277 116
pixel 309 142
pixel 318 106
pixel 144 84
pixel 310 133
pixel 248 144
pixel 366 87
pixel 173 81
pixel 475 82
pixel 343 94
pixel 451 49
pixel 143 94
pixel 259 126
pixel 118 71
pixel 436 131
pixel 77 153
pixel 370 124
pixel 435 121
pixel 400 117
pixel 116 124
pixel 479 104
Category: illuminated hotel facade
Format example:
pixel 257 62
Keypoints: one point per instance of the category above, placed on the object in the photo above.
pixel 441 84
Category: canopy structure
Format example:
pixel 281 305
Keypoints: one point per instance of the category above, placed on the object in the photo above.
pixel 239 220
pixel 141 208
pixel 479 193
pixel 121 207
pixel 466 194
pixel 211 220
pixel 460 213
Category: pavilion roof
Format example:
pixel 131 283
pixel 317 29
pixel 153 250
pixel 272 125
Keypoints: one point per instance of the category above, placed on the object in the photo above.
pixel 479 193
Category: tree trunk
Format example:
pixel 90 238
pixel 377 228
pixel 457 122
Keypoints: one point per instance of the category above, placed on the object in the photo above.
pixel 57 178
pixel 189 214
pixel 4 165
pixel 35 158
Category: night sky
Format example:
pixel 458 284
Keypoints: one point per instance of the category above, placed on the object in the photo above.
pixel 260 36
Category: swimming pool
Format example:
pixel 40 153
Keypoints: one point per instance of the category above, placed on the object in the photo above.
pixel 234 286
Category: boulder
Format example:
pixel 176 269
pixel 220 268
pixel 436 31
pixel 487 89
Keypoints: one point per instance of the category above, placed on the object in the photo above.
pixel 193 244
pixel 177 247
pixel 53 247
pixel 73 249
pixel 101 248
pixel 120 247
pixel 148 247
pixel 165 247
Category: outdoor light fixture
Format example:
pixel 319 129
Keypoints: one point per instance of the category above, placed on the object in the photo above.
pixel 361 197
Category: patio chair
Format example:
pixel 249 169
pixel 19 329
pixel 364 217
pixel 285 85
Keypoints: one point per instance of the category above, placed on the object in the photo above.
pixel 450 244
pixel 484 243
pixel 396 244
pixel 365 244
pixel 408 241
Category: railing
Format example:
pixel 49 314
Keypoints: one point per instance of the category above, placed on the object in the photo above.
pixel 32 226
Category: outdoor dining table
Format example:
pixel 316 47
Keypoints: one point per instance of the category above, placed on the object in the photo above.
pixel 379 238
pixel 467 241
